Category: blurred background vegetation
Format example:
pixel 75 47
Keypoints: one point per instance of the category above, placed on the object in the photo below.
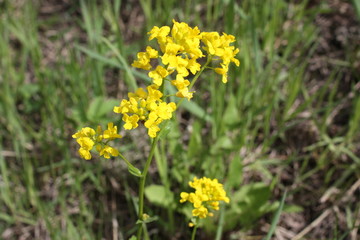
pixel 288 119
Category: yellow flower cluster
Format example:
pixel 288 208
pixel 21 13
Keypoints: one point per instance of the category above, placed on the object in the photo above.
pixel 181 49
pixel 147 107
pixel 207 195
pixel 87 138
pixel 219 46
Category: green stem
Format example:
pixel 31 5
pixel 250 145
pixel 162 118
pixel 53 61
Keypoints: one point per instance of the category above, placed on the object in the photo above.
pixel 194 232
pixel 162 89
pixel 221 225
pixel 142 185
pixel 196 78
pixel 127 161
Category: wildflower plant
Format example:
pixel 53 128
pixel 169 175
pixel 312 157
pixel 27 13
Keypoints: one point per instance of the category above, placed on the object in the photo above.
pixel 183 53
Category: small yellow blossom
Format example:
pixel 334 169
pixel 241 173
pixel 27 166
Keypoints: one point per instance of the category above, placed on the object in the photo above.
pixel 158 75
pixel 131 122
pixel 86 143
pixel 111 132
pixel 184 93
pixel 107 151
pixel 223 71
pixel 188 38
pixel 84 132
pixel 87 138
pixel 207 195
pixel 160 34
pixel 85 154
pixel 182 85
pixel 143 58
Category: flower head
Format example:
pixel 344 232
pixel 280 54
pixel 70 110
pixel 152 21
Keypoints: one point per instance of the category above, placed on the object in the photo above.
pixel 206 197
pixel 219 47
pixel 111 132
pixel 143 58
pixel 87 138
pixel 181 46
pixel 147 107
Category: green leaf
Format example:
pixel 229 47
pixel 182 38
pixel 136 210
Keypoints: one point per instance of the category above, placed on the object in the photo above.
pixel 293 208
pixel 100 107
pixel 195 143
pixel 166 128
pixel 231 115
pixel 148 220
pixel 133 237
pixel 151 219
pixel 7 218
pixel 158 195
pixel 134 171
pixel 196 110
pixel 249 203
pixel 222 143
pixel 235 173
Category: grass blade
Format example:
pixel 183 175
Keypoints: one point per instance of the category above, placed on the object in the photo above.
pixel 276 218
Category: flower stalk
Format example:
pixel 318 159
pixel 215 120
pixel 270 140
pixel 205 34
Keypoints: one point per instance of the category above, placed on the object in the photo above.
pixel 194 232
pixel 142 186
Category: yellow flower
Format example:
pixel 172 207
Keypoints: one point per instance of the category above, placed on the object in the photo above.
pixel 160 34
pixel 130 121
pixel 181 84
pixel 152 126
pixel 158 75
pixel 87 138
pixel 85 143
pixel 219 46
pixel 193 66
pixel 145 106
pixel 212 42
pixel 177 63
pixel 84 132
pixel 143 58
pixel 188 38
pixel 207 195
pixel 111 132
pixel 107 151
pixel 140 93
pixel 184 93
pixel 153 94
pixel 201 212
pixel 164 110
pixel 181 47
pixel 85 153
pixel 223 71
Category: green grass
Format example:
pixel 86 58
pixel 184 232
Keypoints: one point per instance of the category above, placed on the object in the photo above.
pixel 242 133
